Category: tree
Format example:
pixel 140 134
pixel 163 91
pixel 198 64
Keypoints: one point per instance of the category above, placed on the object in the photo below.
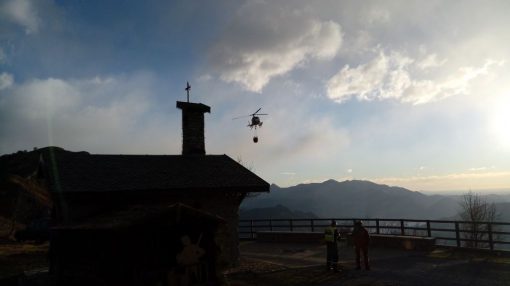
pixel 478 213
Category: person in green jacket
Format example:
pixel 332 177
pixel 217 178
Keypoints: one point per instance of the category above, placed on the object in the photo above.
pixel 331 237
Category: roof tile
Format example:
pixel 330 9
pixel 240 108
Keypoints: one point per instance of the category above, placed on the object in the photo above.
pixel 83 172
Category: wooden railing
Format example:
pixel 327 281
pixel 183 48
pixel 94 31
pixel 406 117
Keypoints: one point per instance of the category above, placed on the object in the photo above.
pixel 447 232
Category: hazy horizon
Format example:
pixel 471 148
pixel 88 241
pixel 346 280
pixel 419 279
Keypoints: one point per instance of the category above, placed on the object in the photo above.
pixel 410 94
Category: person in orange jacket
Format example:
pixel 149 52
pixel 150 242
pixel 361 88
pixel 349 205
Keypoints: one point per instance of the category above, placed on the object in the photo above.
pixel 361 240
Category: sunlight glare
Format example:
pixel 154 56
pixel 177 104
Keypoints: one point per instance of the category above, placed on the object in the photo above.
pixel 499 123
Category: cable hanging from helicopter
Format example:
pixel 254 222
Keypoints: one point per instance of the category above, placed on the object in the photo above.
pixel 254 122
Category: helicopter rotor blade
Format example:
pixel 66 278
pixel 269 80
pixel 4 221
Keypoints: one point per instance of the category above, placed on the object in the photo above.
pixel 257 111
pixel 244 116
pixel 261 114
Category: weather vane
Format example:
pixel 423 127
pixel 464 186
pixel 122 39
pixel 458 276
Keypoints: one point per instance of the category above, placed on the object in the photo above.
pixel 187 89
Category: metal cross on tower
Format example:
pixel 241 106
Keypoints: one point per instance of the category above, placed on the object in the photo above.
pixel 187 89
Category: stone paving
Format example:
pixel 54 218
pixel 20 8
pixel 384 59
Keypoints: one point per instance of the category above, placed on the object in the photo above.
pixel 303 264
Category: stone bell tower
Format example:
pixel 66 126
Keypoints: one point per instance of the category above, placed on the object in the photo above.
pixel 193 139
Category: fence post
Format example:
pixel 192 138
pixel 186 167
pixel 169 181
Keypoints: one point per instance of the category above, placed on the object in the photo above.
pixel 429 232
pixel 312 226
pixel 291 226
pixel 251 229
pixel 271 224
pixel 491 242
pixel 457 233
pixel 402 229
pixel 377 226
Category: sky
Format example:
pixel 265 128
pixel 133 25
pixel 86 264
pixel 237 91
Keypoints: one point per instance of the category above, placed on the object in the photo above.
pixel 407 93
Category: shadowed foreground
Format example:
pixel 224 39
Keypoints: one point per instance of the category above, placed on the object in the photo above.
pixel 303 264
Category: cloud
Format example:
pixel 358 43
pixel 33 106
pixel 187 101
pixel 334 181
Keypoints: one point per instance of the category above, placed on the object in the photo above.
pixel 448 176
pixel 360 80
pixel 396 76
pixel 430 61
pixel 452 181
pixel 268 40
pixel 478 169
pixel 97 114
pixel 377 16
pixel 38 98
pixel 22 12
pixel 304 140
pixel 424 91
pixel 6 80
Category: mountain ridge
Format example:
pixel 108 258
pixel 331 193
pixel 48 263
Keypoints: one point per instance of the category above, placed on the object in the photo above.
pixel 275 212
pixel 358 198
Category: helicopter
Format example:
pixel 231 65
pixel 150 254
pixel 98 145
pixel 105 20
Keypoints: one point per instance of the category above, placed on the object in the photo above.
pixel 254 123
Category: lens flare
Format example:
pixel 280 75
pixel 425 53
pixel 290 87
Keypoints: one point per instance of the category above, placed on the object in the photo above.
pixel 499 122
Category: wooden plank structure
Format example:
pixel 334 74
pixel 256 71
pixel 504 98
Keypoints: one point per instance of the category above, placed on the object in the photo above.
pixel 137 246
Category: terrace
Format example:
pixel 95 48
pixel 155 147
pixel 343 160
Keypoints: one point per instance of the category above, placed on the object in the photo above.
pixel 270 263
pixel 291 252
pixel 297 256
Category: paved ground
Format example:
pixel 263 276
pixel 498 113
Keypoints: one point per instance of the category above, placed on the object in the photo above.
pixel 303 264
